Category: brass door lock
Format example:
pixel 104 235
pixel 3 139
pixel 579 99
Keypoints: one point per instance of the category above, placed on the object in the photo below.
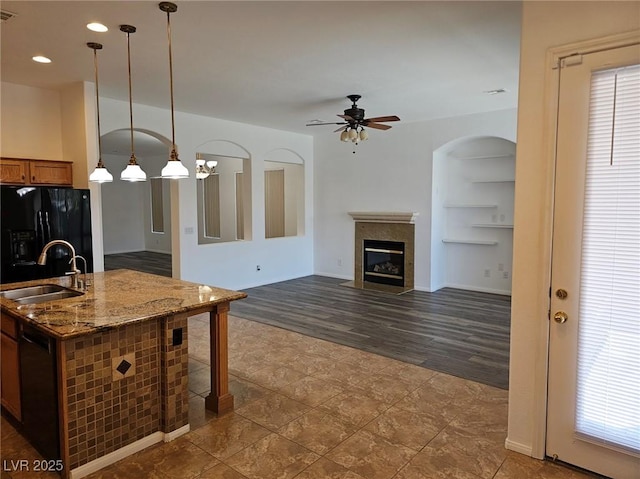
pixel 560 317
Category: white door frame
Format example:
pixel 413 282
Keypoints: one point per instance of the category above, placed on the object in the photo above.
pixel 552 90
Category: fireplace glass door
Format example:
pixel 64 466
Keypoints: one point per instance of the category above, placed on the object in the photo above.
pixel 384 262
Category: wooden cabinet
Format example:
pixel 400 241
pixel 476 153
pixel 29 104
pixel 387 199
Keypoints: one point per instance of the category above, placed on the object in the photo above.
pixel 18 171
pixel 10 366
pixel 14 171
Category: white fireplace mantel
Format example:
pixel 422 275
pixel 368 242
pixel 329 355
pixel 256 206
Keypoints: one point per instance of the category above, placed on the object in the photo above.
pixel 384 216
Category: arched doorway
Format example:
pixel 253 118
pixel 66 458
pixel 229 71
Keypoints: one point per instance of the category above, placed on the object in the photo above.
pixel 136 217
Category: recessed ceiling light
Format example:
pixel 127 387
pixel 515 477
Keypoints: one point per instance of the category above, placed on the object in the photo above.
pixel 97 27
pixel 41 59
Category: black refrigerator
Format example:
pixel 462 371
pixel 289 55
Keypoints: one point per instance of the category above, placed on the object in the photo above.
pixel 33 216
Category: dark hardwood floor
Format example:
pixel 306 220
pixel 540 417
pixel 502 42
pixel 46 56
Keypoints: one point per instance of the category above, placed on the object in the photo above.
pixel 145 261
pixel 462 333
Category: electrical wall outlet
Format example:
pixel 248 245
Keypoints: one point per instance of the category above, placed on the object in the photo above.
pixel 487 273
pixel 339 261
pixel 500 267
pixel 505 275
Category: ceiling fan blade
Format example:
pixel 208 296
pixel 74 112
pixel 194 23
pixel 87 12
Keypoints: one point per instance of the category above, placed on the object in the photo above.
pixel 377 126
pixel 341 128
pixel 346 117
pixel 383 118
pixel 320 124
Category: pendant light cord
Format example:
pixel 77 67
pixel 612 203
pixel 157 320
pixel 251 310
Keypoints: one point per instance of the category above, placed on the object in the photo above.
pixel 173 129
pixel 133 154
pixel 95 68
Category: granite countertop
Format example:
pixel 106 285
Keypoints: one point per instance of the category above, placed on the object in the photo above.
pixel 115 298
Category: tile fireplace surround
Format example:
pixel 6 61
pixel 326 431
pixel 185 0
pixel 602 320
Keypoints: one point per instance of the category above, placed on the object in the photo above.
pixel 384 226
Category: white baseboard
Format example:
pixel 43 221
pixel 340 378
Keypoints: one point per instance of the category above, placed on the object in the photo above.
pixel 480 289
pixel 170 436
pixel 517 447
pixel 126 451
pixel 124 251
pixel 151 250
pixel 115 456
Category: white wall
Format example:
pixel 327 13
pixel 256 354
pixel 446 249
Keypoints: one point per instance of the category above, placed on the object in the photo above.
pixel 544 25
pixel 391 171
pixel 229 265
pixel 31 121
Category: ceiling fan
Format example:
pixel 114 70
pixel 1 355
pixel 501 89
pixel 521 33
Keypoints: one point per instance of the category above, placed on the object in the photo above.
pixel 354 122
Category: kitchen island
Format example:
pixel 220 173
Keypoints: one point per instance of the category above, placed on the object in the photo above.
pixel 121 361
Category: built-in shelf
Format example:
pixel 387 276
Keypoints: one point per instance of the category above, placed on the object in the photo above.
pixel 487 157
pixel 470 241
pixel 493 181
pixel 468 205
pixel 492 225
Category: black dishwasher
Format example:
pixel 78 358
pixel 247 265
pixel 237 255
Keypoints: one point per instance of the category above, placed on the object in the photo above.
pixel 38 377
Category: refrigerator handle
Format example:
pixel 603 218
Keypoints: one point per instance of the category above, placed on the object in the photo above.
pixel 39 230
pixel 47 226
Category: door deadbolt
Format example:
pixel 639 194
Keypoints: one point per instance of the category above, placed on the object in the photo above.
pixel 560 317
pixel 561 293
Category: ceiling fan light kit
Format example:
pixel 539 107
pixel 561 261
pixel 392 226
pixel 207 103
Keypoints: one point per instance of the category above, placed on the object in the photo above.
pixel 354 122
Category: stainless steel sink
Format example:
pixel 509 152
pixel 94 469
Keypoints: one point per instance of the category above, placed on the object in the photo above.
pixel 39 294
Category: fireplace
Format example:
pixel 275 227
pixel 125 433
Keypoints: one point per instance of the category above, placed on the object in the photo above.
pixel 383 262
pixel 384 251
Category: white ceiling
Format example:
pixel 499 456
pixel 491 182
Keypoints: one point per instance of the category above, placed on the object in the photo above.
pixel 278 64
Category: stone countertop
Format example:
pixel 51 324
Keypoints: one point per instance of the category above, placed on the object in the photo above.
pixel 115 298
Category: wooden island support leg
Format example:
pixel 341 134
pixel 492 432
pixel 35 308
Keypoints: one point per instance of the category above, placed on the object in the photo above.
pixel 219 400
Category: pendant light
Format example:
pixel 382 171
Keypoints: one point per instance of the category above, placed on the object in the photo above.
pixel 100 174
pixel 174 168
pixel 132 172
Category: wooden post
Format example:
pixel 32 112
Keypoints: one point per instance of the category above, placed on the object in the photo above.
pixel 219 400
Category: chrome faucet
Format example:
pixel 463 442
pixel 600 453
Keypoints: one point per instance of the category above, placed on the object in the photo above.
pixel 42 259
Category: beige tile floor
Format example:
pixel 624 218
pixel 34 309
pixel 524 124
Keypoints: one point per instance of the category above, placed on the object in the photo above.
pixel 310 409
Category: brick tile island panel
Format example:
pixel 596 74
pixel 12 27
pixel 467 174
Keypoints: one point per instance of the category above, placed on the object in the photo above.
pixel 175 377
pixel 107 409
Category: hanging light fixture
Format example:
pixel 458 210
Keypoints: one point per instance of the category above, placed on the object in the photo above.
pixel 132 172
pixel 174 168
pixel 100 174
pixel 204 168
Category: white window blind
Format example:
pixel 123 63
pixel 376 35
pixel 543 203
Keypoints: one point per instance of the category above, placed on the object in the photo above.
pixel 608 389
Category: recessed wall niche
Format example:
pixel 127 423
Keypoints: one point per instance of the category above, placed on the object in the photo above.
pixel 224 201
pixel 472 215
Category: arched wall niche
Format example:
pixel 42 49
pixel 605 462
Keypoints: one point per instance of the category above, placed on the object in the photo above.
pixel 472 214
pixel 224 198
